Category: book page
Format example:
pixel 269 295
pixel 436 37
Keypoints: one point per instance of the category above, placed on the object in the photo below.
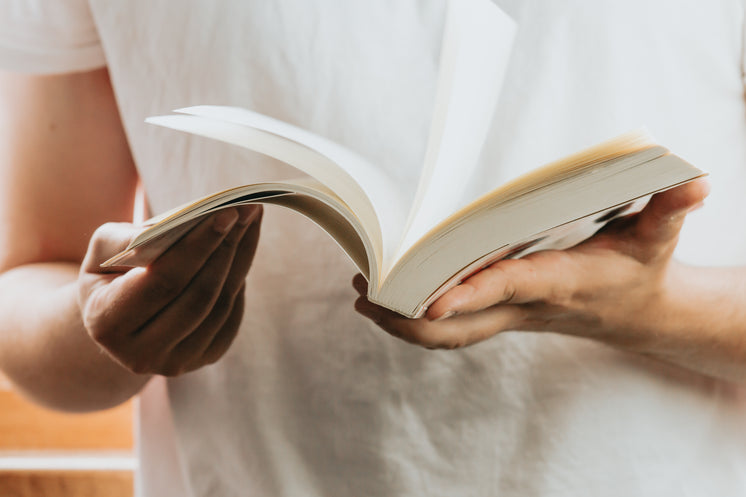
pixel 304 195
pixel 373 197
pixel 476 49
pixel 478 234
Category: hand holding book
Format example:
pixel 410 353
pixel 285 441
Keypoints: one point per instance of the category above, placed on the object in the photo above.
pixel 183 311
pixel 414 244
pixel 614 287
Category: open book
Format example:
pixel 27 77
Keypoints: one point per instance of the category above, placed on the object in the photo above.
pixel 414 244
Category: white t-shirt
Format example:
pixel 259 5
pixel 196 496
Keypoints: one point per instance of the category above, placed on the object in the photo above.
pixel 314 400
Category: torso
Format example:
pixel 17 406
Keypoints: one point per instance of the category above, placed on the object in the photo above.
pixel 314 400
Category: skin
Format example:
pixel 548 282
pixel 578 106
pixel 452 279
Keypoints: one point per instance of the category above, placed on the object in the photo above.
pixel 77 338
pixel 621 287
pixel 72 336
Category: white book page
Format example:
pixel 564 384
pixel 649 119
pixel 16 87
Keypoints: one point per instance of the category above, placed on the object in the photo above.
pixel 476 49
pixel 372 196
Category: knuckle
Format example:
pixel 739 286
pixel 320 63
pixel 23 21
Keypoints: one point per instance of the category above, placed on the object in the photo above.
pixel 109 237
pixel 101 235
pixel 498 283
pixel 509 292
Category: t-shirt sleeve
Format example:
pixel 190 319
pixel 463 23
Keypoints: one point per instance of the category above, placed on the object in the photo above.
pixel 47 37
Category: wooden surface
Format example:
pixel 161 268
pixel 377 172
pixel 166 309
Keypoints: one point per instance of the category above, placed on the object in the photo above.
pixel 26 426
pixel 66 484
pixel 33 433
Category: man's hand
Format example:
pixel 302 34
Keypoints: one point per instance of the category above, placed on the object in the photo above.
pixel 181 312
pixel 613 287
pixel 66 169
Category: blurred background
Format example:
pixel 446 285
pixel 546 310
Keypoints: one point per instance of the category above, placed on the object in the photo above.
pixel 52 454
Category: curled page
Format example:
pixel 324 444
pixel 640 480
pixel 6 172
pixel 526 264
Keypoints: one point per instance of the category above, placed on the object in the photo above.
pixel 372 196
pixel 476 49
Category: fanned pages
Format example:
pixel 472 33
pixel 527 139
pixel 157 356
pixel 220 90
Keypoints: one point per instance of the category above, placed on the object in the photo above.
pixel 362 187
pixel 476 49
pixel 412 254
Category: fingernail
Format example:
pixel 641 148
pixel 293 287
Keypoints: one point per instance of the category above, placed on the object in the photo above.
pixel 445 315
pixel 224 220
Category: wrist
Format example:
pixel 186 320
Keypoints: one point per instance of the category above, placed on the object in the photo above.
pixel 645 320
pixel 676 318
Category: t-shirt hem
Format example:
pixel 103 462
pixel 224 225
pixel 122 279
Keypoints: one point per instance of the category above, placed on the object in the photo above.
pixel 16 59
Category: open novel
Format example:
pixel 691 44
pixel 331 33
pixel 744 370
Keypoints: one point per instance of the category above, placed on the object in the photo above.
pixel 414 245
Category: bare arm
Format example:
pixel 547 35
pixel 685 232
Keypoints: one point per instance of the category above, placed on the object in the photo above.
pixel 621 287
pixel 71 336
pixel 65 168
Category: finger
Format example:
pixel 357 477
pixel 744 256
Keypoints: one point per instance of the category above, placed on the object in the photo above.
pixel 455 332
pixel 360 284
pixel 131 299
pixel 150 348
pixel 211 339
pixel 109 239
pixel 554 275
pixel 194 347
pixel 250 217
pixel 548 275
pixel 224 338
pixel 191 308
pixel 663 216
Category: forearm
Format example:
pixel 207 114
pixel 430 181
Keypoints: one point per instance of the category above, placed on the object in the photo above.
pixel 45 349
pixel 699 323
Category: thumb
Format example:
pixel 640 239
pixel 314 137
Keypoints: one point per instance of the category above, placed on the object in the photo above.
pixel 661 219
pixel 109 239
